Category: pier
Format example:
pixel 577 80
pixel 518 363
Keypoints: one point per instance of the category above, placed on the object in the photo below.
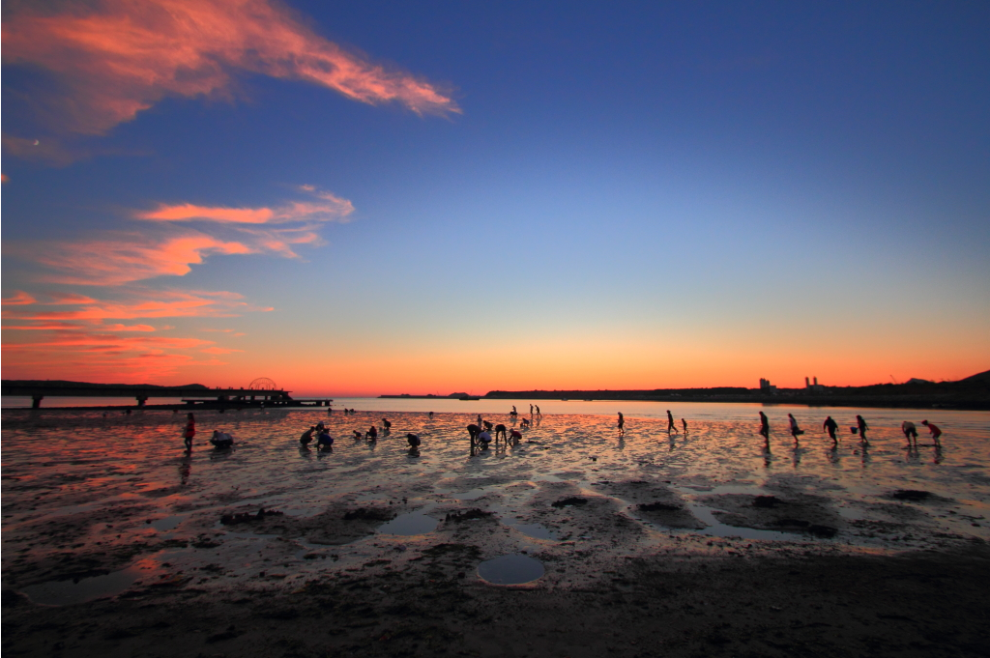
pixel 192 395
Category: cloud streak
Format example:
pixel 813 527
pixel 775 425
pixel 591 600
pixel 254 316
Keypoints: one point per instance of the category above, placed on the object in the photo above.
pixel 115 58
pixel 330 207
pixel 67 332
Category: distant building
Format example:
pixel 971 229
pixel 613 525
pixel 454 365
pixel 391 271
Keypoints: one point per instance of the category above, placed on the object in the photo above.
pixel 813 386
pixel 766 386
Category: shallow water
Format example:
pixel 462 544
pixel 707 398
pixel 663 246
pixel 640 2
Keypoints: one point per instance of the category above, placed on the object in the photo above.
pixel 78 484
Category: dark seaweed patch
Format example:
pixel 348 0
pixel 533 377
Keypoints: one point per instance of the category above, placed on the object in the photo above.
pixel 573 500
pixel 657 507
pixel 368 514
pixel 910 494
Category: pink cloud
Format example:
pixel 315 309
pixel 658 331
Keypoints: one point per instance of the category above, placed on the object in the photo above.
pixel 115 58
pixel 20 298
pixel 85 336
pixel 188 211
pixel 330 207
pixel 119 258
pixel 143 304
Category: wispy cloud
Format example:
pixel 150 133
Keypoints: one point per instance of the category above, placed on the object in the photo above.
pixel 114 58
pixel 136 303
pixel 116 258
pixel 330 207
pixel 19 298
pixel 67 332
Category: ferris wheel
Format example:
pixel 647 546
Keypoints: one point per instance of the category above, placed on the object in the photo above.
pixel 262 384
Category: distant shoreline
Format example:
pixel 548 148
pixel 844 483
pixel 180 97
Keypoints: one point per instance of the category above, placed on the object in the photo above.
pixel 971 394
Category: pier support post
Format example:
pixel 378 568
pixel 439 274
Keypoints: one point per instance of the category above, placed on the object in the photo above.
pixel 141 399
pixel 36 401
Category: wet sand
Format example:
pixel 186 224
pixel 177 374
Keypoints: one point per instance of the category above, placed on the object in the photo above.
pixel 114 543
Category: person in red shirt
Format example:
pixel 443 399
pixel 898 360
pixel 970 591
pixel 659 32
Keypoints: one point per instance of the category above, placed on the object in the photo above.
pixel 190 431
pixel 936 432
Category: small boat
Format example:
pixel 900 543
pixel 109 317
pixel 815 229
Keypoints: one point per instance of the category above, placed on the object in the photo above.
pixel 468 397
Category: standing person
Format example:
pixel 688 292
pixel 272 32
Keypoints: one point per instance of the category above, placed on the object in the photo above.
pixel 538 412
pixel 684 425
pixel 764 427
pixel 622 424
pixel 910 432
pixel 530 409
pixel 795 430
pixel 431 415
pixel 830 425
pixel 861 424
pixel 190 431
pixel 933 428
pixel 670 422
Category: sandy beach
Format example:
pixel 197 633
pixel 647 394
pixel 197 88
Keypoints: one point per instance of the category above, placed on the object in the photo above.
pixel 642 544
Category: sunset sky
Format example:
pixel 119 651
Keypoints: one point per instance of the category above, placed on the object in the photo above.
pixel 378 197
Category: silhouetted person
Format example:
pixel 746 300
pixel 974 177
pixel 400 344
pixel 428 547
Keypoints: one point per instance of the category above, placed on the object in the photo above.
pixel 372 433
pixel 621 424
pixel 431 415
pixel 831 426
pixel 513 412
pixel 484 439
pixel 386 425
pixel 488 425
pixel 538 412
pixel 684 425
pixel 861 424
pixel 515 436
pixel 795 430
pixel 524 423
pixel 307 436
pixel 670 422
pixel 473 431
pixel 764 426
pixel 499 430
pixel 936 432
pixel 413 440
pixel 190 431
pixel 357 435
pixel 324 441
pixel 910 432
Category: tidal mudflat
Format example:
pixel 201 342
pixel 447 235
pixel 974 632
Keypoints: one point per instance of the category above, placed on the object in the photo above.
pixel 576 541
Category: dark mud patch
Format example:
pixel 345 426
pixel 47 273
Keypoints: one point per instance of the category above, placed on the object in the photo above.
pixel 597 518
pixel 369 514
pixel 566 502
pixel 248 517
pixel 655 503
pixel 469 515
pixel 918 496
pixel 334 527
pixel 511 570
pixel 797 513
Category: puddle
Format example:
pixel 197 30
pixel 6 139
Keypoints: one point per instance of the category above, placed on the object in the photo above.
pixel 168 523
pixel 67 592
pixel 534 530
pixel 414 523
pixel 510 570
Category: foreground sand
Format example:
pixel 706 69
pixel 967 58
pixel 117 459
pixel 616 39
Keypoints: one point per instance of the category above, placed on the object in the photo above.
pixel 705 600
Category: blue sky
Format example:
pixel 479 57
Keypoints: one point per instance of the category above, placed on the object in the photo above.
pixel 625 196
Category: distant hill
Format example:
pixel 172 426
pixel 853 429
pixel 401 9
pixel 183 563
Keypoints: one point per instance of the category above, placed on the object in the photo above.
pixel 982 378
pixel 61 383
